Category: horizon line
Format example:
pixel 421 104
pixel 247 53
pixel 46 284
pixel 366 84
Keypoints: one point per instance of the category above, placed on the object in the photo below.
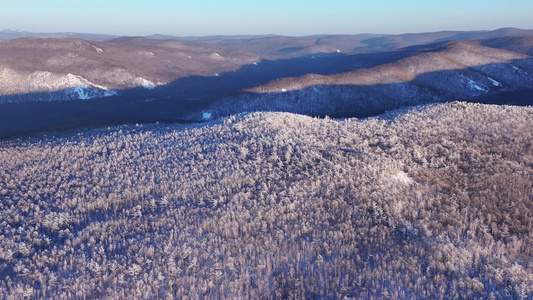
pixel 251 35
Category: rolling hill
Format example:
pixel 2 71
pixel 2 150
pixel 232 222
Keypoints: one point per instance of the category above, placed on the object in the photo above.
pixel 6 35
pixel 440 57
pixel 276 46
pixel 135 79
pixel 209 168
pixel 392 42
pixel 520 44
pixel 285 46
pixel 47 64
pixel 419 203
pixel 437 73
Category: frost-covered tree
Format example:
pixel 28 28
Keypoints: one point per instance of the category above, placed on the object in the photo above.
pixel 428 202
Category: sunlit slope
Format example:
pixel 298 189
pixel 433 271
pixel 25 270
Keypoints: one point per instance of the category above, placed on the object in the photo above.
pixel 445 57
pixel 46 64
pixel 435 73
pixel 434 201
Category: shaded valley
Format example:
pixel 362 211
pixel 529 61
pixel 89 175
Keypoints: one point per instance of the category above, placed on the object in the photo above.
pixel 334 84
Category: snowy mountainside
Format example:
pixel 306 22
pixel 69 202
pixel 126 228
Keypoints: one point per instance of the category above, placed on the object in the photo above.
pixel 14 82
pixel 52 64
pixel 152 80
pixel 451 56
pixel 439 73
pixel 433 200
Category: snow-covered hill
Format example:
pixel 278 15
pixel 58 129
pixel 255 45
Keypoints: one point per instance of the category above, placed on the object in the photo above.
pixel 13 82
pixel 438 73
pixel 53 64
pixel 429 202
pixel 169 81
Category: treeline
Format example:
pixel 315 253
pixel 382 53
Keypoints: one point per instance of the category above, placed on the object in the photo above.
pixel 432 202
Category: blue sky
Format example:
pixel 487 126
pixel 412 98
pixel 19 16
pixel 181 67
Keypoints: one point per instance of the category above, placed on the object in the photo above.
pixel 287 17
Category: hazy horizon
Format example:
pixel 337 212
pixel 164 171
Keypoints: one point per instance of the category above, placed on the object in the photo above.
pixel 297 18
pixel 15 30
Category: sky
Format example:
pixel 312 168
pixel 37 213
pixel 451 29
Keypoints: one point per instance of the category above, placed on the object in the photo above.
pixel 249 17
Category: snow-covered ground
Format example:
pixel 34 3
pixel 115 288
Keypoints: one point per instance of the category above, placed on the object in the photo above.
pixel 87 93
pixel 494 82
pixel 74 86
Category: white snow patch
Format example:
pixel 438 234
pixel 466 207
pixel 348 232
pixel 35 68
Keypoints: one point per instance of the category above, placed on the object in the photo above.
pixel 473 85
pixel 338 51
pixel 109 93
pixel 207 115
pixel 99 50
pixel 75 80
pixel 283 90
pixel 82 92
pixel 216 56
pixel 402 178
pixel 86 93
pixel 74 86
pixel 494 82
pixel 145 83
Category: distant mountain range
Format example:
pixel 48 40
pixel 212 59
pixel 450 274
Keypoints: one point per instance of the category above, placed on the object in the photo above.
pixel 133 79
pixel 284 46
pixel 277 46
pixel 15 34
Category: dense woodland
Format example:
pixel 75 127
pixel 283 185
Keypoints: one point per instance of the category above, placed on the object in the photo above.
pixel 430 202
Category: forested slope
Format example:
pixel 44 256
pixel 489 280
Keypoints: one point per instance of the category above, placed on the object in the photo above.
pixel 64 65
pixel 431 202
pixel 440 72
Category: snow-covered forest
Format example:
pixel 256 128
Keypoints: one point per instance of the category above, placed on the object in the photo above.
pixel 433 201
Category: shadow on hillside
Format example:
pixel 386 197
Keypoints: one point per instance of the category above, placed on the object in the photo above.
pixel 187 99
pixel 498 83
pixel 173 102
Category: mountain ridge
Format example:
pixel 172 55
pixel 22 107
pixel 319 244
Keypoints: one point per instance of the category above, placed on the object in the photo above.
pixel 349 43
pixel 112 65
pixel 447 56
pixel 430 201
pixel 135 79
